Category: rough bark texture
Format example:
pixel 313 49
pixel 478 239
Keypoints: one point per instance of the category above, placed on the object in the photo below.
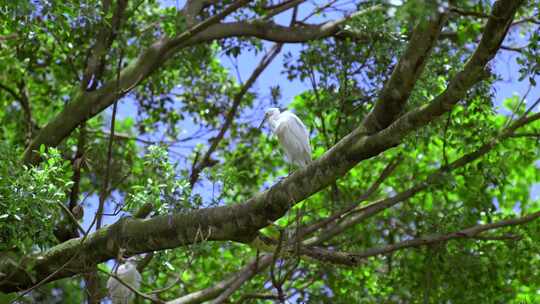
pixel 396 91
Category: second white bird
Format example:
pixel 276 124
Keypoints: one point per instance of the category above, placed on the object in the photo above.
pixel 128 273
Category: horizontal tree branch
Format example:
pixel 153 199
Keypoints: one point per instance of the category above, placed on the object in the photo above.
pixel 354 259
pixel 260 296
pixel 279 8
pixel 527 134
pixel 469 13
pixel 270 31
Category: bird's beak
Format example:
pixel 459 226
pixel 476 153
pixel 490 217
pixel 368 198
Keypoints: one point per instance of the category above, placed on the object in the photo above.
pixel 262 123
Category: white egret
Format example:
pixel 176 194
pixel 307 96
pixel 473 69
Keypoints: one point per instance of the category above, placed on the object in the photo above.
pixel 292 135
pixel 128 273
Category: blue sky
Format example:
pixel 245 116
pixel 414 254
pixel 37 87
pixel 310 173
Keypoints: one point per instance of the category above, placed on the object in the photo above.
pixel 504 65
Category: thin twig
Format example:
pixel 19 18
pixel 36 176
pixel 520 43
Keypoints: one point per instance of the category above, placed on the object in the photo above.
pixel 353 259
pixel 204 162
pixel 105 189
pixel 382 177
pixel 70 216
pixel 364 212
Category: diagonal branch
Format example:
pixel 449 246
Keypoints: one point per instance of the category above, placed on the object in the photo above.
pixel 88 104
pixel 192 10
pixel 473 72
pixel 216 290
pixel 279 8
pixel 346 258
pixel 242 277
pixel 237 99
pixel 396 91
pixel 388 170
pixel 105 37
pixel 11 91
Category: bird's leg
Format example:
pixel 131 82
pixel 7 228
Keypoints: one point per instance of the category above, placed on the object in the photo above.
pixel 279 180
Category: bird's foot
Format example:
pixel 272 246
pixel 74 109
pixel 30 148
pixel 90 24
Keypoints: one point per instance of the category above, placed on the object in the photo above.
pixel 278 181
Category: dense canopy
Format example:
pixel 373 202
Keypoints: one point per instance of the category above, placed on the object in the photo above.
pixel 129 129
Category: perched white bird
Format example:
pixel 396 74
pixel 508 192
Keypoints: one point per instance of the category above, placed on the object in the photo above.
pixel 128 273
pixel 292 135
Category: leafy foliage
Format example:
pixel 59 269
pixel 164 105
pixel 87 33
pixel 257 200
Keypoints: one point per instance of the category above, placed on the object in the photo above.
pixel 167 123
pixel 30 199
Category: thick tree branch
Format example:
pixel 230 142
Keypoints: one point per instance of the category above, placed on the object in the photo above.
pixel 88 104
pixel 396 91
pixel 494 33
